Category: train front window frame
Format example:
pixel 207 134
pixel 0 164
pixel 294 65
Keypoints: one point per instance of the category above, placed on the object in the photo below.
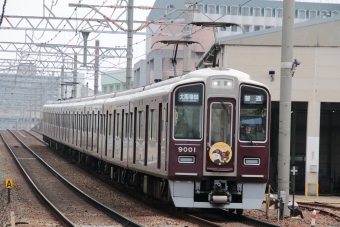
pixel 188 112
pixel 253 114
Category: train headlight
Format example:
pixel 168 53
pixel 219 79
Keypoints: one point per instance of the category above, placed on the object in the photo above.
pixel 186 159
pixel 222 83
pixel 251 161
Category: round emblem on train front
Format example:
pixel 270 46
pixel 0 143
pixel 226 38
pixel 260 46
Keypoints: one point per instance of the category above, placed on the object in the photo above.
pixel 220 153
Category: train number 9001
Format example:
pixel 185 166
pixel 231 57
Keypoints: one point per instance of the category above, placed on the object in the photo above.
pixel 187 149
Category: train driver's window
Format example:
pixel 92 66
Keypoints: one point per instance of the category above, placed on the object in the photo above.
pixel 220 123
pixel 188 112
pixel 253 114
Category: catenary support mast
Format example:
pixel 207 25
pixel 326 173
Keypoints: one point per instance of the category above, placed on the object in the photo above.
pixel 187 33
pixel 285 99
pixel 129 54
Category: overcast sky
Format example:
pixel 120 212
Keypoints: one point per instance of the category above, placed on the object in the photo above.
pixel 60 8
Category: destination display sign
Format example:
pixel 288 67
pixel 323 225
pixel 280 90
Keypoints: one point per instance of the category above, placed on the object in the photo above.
pixel 253 99
pixel 188 97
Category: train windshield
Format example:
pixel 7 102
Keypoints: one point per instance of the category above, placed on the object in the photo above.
pixel 220 122
pixel 253 114
pixel 188 112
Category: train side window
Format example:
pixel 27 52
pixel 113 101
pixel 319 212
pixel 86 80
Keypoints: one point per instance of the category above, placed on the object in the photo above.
pixel 134 136
pixel 109 125
pixel 146 136
pixel 118 124
pixel 153 124
pixel 159 136
pixel 141 125
pixel 95 123
pixel 126 125
pixel 131 126
pixel 114 134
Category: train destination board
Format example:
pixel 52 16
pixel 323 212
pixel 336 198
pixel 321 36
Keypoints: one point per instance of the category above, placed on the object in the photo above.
pixel 253 99
pixel 188 97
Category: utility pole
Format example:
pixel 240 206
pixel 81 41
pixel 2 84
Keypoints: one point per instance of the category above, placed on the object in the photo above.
pixel 96 68
pixel 74 90
pixel 285 99
pixel 187 37
pixel 129 53
pixel 62 82
pixel 85 36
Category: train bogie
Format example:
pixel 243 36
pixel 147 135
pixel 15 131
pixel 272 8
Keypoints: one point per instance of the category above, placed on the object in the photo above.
pixel 201 139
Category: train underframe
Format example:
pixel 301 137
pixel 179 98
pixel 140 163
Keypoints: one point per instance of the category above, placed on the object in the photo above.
pixel 211 192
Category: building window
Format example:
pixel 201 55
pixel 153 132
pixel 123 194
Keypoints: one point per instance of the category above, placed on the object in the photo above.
pixel 257 12
pixel 233 10
pixel 117 87
pixel 268 12
pixel 111 88
pixel 211 9
pixel 257 28
pixel 323 14
pixel 312 14
pixel 222 29
pixel 104 89
pixel 301 14
pixel 245 11
pixel 267 27
pixel 278 13
pixel 200 7
pixel 233 28
pixel 169 8
pixel 163 64
pixel 334 14
pixel 246 28
pixel 223 10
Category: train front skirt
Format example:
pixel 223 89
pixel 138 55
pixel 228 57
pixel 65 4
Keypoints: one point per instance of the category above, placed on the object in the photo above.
pixel 182 193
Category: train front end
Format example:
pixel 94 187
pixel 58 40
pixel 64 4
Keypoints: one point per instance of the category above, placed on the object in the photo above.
pixel 219 141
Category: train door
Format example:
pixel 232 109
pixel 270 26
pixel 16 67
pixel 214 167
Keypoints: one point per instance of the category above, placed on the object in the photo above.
pixel 125 135
pixel 118 134
pixel 140 131
pixel 153 151
pixel 220 135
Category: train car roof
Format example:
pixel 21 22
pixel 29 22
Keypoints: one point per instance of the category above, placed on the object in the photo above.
pixel 156 88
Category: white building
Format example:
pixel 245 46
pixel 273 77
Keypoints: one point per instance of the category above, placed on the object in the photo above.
pixel 251 15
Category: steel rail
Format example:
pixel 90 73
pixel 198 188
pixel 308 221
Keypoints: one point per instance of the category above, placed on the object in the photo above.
pixel 103 208
pixel 54 210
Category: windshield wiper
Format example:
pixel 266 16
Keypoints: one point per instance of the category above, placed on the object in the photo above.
pixel 225 108
pixel 244 133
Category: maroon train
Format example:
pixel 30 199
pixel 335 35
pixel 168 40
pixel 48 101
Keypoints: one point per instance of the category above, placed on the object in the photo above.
pixel 201 139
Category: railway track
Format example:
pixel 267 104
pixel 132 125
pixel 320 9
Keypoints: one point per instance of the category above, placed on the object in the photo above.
pixel 65 201
pixel 198 216
pixel 327 209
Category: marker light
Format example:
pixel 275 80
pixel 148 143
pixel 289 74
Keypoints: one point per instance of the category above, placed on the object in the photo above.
pixel 222 83
pixel 186 159
pixel 251 161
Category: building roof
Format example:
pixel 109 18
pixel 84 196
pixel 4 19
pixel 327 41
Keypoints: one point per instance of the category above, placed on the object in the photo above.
pixel 323 32
pixel 315 32
pixel 253 3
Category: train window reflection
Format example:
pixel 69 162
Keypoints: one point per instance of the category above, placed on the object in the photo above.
pixel 220 123
pixel 188 112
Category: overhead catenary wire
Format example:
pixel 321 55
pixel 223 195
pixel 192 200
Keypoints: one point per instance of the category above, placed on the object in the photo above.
pixel 3 11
